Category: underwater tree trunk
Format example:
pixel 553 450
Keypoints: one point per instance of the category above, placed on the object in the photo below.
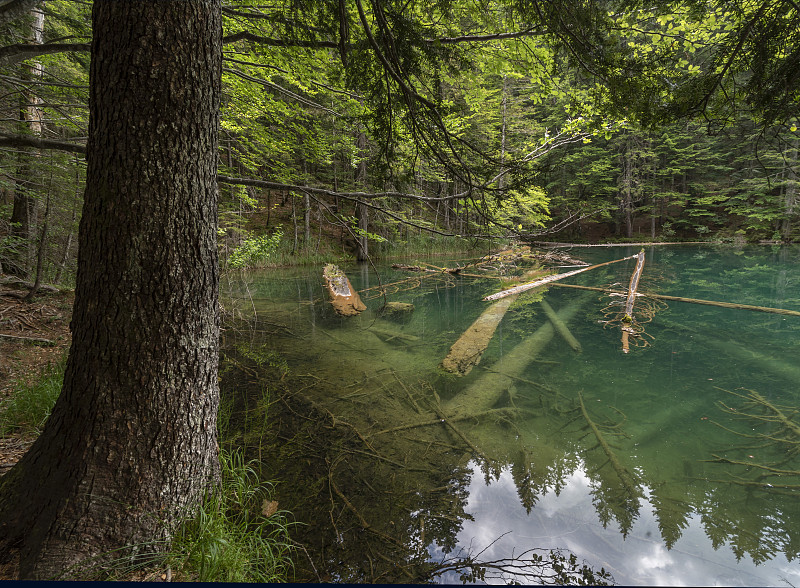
pixel 484 392
pixel 467 351
pixel 131 443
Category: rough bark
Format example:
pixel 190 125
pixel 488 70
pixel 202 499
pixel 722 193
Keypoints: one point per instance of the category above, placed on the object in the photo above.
pixel 131 442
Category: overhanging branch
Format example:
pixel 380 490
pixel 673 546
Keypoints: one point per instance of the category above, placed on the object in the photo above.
pixel 335 194
pixel 11 54
pixel 21 141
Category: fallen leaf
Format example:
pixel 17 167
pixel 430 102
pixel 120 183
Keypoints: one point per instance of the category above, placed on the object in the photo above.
pixel 269 508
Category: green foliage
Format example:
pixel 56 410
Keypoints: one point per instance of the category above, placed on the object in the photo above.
pixel 29 405
pixel 255 251
pixel 524 210
pixel 236 535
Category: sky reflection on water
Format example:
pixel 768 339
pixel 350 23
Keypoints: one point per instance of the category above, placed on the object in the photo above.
pixel 570 521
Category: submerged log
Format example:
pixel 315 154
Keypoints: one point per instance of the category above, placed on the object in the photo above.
pixel 626 478
pixel 344 298
pixel 561 327
pixel 400 312
pixel 484 392
pixel 388 335
pixel 467 351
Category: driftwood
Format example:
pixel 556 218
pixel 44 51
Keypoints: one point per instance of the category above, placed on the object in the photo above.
pixel 484 392
pixel 562 328
pixel 467 351
pixel 344 298
pixel 549 279
pixel 691 300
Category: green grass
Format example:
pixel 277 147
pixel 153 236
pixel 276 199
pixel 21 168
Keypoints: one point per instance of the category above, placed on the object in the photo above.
pixel 235 535
pixel 29 405
pixel 430 245
pixel 229 538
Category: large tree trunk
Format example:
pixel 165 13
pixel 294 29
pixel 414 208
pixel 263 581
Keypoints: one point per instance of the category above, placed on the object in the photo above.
pixel 131 443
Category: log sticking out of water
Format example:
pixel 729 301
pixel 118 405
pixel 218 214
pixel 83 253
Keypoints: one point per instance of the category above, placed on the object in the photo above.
pixel 691 300
pixel 541 282
pixel 344 298
pixel 633 286
pixel 484 392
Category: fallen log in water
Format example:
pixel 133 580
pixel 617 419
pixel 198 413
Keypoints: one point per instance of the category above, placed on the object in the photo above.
pixel 562 328
pixel 691 300
pixel 484 392
pixel 344 298
pixel 627 318
pixel 467 351
pixel 548 279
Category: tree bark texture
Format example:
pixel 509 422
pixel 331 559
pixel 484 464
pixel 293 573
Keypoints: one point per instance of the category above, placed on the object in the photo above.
pixel 131 443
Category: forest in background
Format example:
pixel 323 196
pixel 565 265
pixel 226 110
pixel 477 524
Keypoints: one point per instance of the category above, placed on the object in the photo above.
pixel 337 141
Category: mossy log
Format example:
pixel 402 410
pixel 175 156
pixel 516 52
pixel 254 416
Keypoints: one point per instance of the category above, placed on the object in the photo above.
pixel 344 298
pixel 484 392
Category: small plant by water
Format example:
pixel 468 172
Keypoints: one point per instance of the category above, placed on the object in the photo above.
pixel 29 405
pixel 237 534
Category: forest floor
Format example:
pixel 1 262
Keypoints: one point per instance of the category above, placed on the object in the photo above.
pixel 24 352
pixel 22 360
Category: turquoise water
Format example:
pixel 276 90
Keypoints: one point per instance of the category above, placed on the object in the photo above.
pixel 675 463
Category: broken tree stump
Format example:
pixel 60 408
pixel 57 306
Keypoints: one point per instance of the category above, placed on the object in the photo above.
pixel 344 299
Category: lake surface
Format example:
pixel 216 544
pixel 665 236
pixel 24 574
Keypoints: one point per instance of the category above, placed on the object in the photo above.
pixel 677 463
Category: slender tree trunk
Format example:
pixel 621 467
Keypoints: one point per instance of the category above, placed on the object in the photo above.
pixel 790 191
pixel 131 442
pixel 40 253
pixel 68 245
pixel 362 212
pixel 23 214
